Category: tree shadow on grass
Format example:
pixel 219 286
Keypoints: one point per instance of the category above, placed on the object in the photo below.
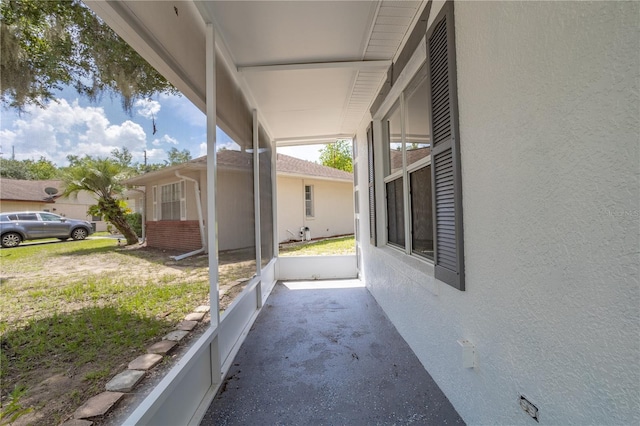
pixel 66 358
pixel 86 251
pixel 152 255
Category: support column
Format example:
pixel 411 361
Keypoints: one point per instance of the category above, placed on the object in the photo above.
pixel 256 203
pixel 212 222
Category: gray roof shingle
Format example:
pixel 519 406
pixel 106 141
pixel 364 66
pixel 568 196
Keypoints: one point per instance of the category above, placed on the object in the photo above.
pixel 28 190
pixel 238 160
pixel 292 165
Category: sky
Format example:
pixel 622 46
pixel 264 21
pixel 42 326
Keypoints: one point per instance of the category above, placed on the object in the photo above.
pixel 75 126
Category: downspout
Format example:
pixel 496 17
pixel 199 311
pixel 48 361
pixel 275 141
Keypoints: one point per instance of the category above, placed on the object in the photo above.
pixel 144 213
pixel 200 219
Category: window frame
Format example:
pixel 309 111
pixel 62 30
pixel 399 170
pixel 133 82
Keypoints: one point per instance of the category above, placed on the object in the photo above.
pixel 310 200
pixel 181 201
pixel 401 104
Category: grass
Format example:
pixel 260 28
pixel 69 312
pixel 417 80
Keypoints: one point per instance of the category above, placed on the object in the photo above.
pixel 329 246
pixel 83 310
pixel 74 314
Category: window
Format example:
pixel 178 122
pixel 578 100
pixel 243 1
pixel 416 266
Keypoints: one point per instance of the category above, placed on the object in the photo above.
pixel 50 217
pixel 421 147
pixel 308 200
pixel 172 201
pixel 395 212
pixel 421 212
pixel 96 218
pixel 154 198
pixel 407 181
pixel 371 187
pixel 27 216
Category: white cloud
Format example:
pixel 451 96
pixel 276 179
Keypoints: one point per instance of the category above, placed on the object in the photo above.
pixel 63 128
pixel 156 155
pixel 304 152
pixel 185 110
pixel 166 139
pixel 203 149
pixel 147 108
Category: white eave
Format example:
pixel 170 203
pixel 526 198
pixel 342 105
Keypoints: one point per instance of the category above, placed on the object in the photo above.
pixel 303 95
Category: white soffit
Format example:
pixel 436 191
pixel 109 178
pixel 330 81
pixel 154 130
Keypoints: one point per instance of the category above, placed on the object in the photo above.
pixel 291 56
pixel 323 88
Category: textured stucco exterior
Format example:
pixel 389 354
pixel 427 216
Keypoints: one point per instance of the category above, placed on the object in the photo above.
pixel 332 207
pixel 549 128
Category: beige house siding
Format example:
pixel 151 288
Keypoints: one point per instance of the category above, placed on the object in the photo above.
pixel 71 207
pixel 16 206
pixel 332 207
pixel 235 210
pixel 232 205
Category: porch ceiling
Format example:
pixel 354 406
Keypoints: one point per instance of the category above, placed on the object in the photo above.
pixel 311 68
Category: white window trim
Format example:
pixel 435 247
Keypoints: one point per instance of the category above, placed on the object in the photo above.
pixel 154 197
pixel 311 191
pixel 400 103
pixel 181 197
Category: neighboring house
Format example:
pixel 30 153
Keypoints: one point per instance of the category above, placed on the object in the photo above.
pixel 523 281
pixel 310 195
pixel 44 195
pixel 313 196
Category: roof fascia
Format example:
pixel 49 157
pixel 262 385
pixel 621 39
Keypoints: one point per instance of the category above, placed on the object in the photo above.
pixel 313 177
pixel 159 174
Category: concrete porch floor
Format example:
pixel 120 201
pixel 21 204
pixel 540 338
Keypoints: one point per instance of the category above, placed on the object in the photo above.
pixel 327 356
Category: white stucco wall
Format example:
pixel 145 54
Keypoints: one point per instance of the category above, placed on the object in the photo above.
pixel 549 121
pixel 332 204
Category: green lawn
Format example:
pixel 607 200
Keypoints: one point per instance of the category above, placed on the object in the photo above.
pixel 326 247
pixel 82 310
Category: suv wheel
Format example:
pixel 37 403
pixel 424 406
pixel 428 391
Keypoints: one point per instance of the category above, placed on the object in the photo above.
pixel 79 234
pixel 11 239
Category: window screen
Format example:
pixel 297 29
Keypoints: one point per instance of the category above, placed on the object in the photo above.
pixel 395 212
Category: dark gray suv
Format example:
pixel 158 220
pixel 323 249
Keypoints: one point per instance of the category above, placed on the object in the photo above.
pixel 19 226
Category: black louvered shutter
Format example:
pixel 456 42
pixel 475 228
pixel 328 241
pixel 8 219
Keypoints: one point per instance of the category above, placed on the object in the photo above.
pixel 372 187
pixel 445 153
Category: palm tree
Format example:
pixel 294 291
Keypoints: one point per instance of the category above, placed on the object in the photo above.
pixel 102 178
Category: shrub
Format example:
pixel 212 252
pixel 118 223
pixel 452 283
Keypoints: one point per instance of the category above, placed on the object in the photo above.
pixel 135 220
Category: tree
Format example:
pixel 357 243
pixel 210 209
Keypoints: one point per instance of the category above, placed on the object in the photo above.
pixel 123 157
pixel 14 169
pixel 28 169
pixel 337 155
pixel 47 45
pixel 102 178
pixel 42 169
pixel 177 157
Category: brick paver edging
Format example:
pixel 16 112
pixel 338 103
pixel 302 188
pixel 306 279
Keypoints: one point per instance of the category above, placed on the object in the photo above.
pixel 128 379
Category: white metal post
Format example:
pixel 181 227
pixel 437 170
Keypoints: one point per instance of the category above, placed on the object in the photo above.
pixel 212 228
pixel 274 198
pixel 256 203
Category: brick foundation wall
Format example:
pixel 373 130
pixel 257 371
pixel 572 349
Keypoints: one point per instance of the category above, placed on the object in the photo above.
pixel 174 235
